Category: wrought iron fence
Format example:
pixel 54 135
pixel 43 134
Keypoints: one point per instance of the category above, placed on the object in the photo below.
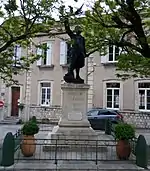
pixel 73 150
pixel 17 139
pixel 133 144
pixel 54 152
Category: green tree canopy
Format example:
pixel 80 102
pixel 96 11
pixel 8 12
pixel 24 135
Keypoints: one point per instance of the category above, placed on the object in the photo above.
pixel 20 22
pixel 126 24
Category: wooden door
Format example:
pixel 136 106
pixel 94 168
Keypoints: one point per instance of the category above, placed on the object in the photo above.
pixel 15 91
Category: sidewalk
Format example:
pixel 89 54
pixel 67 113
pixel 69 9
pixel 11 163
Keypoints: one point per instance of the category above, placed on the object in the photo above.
pixel 74 166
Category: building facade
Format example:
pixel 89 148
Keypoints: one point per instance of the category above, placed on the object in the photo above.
pixel 39 89
pixel 114 93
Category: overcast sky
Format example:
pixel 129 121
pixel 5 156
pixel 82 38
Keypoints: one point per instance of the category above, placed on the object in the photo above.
pixel 79 3
pixel 71 3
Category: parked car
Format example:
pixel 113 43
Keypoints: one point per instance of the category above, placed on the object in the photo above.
pixel 98 116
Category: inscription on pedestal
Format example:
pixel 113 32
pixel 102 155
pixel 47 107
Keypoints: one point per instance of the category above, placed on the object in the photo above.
pixel 73 116
pixel 76 100
pixel 76 105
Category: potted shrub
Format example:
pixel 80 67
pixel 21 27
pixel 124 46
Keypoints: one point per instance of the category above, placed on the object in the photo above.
pixel 124 133
pixel 33 119
pixel 28 145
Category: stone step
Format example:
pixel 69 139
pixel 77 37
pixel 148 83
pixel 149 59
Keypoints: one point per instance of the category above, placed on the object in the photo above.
pixel 64 148
pixel 49 121
pixel 10 121
pixel 11 117
pixel 73 166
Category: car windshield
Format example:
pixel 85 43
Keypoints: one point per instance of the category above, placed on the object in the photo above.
pixel 113 112
pixel 101 112
pixel 93 112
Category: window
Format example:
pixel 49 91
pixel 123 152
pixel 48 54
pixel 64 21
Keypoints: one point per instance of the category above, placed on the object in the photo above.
pixel 113 53
pixel 111 56
pixel 64 52
pixel 113 95
pixel 17 56
pixel 144 96
pixel 46 54
pixel 45 92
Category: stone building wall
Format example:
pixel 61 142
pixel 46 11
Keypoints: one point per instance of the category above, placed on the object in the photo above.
pixel 51 113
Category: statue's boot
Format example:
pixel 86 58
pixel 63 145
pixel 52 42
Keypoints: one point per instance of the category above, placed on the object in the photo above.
pixel 69 78
pixel 79 80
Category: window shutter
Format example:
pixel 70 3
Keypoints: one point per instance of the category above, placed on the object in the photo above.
pixel 39 52
pixel 63 53
pixel 104 58
pixel 49 54
pixel 17 55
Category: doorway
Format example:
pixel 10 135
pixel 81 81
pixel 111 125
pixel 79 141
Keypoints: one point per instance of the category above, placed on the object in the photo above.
pixel 15 92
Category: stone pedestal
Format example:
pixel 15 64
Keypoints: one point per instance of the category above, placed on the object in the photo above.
pixel 73 123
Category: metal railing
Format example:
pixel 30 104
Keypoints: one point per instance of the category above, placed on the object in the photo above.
pixel 73 150
pixel 17 139
pixel 55 151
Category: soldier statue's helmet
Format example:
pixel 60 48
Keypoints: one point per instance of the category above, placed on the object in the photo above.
pixel 78 29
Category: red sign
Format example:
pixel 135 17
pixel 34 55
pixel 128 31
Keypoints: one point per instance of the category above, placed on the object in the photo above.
pixel 1 103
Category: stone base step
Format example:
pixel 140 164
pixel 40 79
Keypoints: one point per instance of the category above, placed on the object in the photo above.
pixel 74 148
pixel 9 121
pixel 71 166
pixel 48 121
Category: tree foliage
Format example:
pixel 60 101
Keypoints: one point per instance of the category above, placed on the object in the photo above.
pixel 126 24
pixel 20 22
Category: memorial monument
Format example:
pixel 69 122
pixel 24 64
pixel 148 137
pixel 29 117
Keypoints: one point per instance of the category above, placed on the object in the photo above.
pixel 73 123
pixel 77 54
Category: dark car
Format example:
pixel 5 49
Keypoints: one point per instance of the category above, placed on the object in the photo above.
pixel 98 116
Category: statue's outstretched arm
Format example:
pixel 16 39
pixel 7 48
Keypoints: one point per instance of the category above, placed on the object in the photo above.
pixel 67 28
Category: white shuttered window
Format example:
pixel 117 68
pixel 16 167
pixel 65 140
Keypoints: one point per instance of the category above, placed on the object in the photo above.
pixel 63 53
pixel 17 55
pixel 46 54
pixel 112 55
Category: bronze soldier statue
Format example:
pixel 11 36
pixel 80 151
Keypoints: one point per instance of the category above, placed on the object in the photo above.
pixel 77 54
